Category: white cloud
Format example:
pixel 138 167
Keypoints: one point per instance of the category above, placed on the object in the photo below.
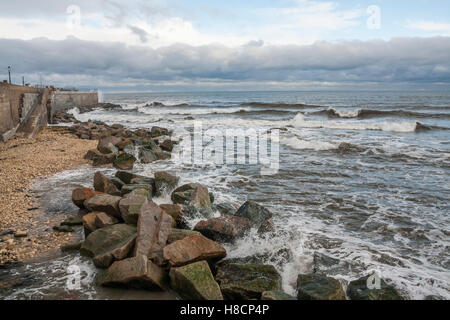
pixel 431 26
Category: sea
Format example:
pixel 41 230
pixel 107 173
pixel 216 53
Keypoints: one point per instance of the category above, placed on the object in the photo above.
pixel 361 176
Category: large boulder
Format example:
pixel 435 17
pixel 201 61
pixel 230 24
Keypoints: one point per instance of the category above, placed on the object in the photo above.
pixel 140 192
pixel 126 176
pixel 182 195
pixel 103 184
pixel 109 244
pixel 246 281
pixel 147 155
pixel 125 161
pixel 138 273
pixel 165 182
pixel 105 203
pixel 367 288
pixel 89 223
pixel 174 210
pixel 225 208
pixel 319 287
pixel 103 220
pixel 158 132
pixel 179 234
pixel 108 144
pixel 195 282
pixel 128 188
pixel 200 198
pixel 145 180
pixel 167 145
pixel 192 249
pixel 256 213
pixel 226 228
pixel 153 228
pixel 117 182
pixel 130 207
pixel 276 295
pixel 103 159
pixel 80 195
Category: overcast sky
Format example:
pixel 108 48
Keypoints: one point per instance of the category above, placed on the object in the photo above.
pixel 227 45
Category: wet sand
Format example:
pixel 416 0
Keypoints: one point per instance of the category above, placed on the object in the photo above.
pixel 21 161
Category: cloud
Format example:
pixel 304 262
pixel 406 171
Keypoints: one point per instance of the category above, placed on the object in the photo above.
pixel 429 26
pixel 141 33
pixel 89 63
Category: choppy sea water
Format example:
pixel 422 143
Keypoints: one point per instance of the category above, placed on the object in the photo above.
pixel 380 203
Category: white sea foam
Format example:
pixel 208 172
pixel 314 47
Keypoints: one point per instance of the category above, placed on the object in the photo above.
pixel 301 122
pixel 317 145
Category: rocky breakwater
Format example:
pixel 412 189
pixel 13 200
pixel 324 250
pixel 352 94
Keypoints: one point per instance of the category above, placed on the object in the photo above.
pixel 148 246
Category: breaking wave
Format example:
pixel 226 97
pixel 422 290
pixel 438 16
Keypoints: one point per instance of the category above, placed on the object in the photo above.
pixel 301 122
pixel 369 114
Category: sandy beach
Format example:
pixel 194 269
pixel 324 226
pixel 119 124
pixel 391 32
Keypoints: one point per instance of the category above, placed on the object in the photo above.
pixel 21 161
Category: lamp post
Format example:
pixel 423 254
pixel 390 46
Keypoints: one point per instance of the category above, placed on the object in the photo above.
pixel 9 74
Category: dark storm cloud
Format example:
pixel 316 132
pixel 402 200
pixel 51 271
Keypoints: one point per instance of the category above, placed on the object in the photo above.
pixel 418 60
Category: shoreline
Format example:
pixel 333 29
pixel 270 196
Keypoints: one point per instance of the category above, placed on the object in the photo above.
pixel 21 162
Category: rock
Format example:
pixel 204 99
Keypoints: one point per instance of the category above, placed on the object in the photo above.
pixel 165 182
pixel 80 195
pixel 246 281
pixel 266 227
pixel 173 210
pixel 89 223
pixel 147 156
pixel 140 192
pixel 163 155
pixel 108 144
pixel 276 295
pixel 71 247
pixel 125 161
pixel 195 282
pixel 103 159
pixel 256 213
pixel 61 228
pixel 105 203
pixel 153 229
pixel 128 188
pixel 126 176
pixel 183 194
pixel 167 145
pixel 319 287
pixel 137 273
pixel 226 228
pixel 117 182
pixel 145 181
pixel 21 234
pixel 192 249
pixel 124 143
pixel 330 266
pixel 109 244
pixel 130 206
pixel 103 220
pixel 103 184
pixel 180 234
pixel 225 208
pixel 91 154
pixel 200 198
pixel 72 221
pixel 158 132
pixel 359 290
pixel 150 144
